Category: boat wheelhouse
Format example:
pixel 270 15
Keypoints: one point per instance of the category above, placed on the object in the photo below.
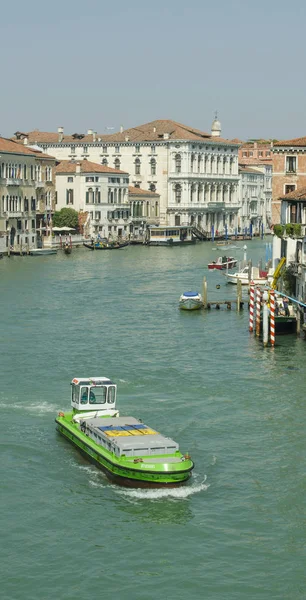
pixel 170 236
pixel 127 450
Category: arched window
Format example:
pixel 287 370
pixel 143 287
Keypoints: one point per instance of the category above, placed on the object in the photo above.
pixel 104 162
pixel 152 187
pixel 153 166
pixel 178 163
pixel 192 162
pixel 178 193
pixel 117 163
pixel 137 166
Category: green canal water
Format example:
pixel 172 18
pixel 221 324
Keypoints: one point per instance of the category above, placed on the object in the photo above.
pixel 237 530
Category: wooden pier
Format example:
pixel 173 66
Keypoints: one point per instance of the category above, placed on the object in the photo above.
pixel 237 302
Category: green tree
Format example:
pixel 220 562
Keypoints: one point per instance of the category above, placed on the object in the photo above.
pixel 66 217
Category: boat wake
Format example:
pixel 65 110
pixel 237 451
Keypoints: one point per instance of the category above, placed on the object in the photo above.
pixel 41 408
pixel 179 493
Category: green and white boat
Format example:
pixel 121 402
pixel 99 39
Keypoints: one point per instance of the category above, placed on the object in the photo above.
pixel 127 450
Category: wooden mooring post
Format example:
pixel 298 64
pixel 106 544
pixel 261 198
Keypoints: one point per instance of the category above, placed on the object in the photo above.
pixel 239 295
pixel 204 293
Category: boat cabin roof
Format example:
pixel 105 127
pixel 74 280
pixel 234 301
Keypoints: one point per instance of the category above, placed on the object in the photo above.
pixel 92 381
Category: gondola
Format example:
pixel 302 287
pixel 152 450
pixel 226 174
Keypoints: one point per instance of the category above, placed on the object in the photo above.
pixel 105 245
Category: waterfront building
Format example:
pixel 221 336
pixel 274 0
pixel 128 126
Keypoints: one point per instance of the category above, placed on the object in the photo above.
pixel 255 152
pixel 195 173
pixel 255 197
pixel 100 191
pixel 144 208
pixel 289 171
pixel 290 238
pixel 18 187
pixel 258 154
pixel 45 190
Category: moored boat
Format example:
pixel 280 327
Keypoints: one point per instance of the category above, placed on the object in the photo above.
pixel 247 275
pixel 223 262
pixel 67 249
pixel 190 301
pixel 127 450
pixel 42 251
pixel 105 245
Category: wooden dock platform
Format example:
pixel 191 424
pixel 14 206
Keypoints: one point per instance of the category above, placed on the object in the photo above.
pixel 228 303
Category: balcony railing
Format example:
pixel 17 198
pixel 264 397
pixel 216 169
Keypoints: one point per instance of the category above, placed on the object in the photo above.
pixel 39 184
pixel 12 181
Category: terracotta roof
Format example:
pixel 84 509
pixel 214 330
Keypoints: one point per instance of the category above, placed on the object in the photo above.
pixel 244 169
pixel 298 194
pixel 155 130
pixel 149 132
pixel 295 142
pixel 139 192
pixel 14 147
pixel 68 166
pixel 47 137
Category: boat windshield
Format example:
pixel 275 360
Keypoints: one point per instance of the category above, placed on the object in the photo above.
pixel 93 394
pixel 98 394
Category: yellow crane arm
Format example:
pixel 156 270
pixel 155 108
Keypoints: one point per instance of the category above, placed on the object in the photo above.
pixel 277 272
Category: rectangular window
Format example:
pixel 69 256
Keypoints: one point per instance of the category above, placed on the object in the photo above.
pixel 89 179
pixel 70 179
pixel 69 196
pixel 289 188
pixel 291 164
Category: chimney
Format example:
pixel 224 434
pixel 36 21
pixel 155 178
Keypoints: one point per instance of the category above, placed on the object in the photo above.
pixel 94 133
pixel 25 141
pixel 89 131
pixel 127 139
pixel 60 131
pixel 121 128
pixel 78 168
pixel 166 136
pixel 154 129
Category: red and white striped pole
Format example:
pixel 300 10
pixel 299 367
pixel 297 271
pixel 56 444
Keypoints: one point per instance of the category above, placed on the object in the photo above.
pixel 258 307
pixel 272 317
pixel 251 315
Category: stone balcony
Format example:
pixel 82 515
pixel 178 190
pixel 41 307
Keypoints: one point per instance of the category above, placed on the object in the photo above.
pixel 9 181
pixel 39 185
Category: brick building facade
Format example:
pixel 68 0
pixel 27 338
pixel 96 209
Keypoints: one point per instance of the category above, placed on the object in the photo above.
pixel 289 171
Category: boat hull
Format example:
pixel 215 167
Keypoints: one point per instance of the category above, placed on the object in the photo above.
pixel 138 475
pixel 223 266
pixel 106 247
pixel 232 278
pixel 42 252
pixel 189 304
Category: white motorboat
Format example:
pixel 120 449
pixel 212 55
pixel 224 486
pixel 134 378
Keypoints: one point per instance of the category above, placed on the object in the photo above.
pixel 247 275
pixel 190 301
pixel 42 251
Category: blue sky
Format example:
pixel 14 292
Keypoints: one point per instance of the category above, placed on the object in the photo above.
pixel 97 64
